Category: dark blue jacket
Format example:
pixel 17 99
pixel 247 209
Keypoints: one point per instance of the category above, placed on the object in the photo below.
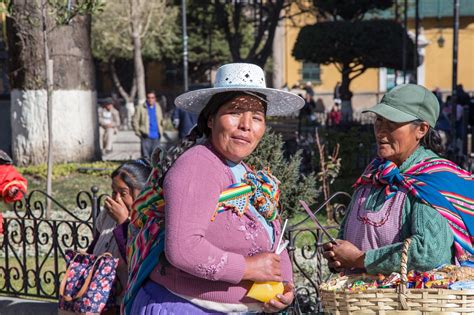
pixel 184 121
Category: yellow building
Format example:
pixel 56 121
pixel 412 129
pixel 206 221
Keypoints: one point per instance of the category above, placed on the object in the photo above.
pixel 435 42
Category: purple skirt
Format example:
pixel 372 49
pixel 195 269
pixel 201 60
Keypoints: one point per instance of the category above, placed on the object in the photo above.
pixel 154 299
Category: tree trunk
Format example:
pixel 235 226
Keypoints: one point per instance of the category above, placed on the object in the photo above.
pixel 139 68
pixel 279 55
pixel 116 80
pixel 345 91
pixel 346 94
pixel 136 29
pixel 129 98
pixel 74 97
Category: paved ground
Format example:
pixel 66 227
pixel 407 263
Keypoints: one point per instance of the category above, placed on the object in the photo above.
pixel 127 146
pixel 15 306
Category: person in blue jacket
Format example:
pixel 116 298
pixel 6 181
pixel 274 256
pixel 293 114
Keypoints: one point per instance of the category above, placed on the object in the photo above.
pixel 183 121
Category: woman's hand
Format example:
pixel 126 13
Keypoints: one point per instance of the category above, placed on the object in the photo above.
pixel 263 267
pixel 344 255
pixel 116 209
pixel 284 300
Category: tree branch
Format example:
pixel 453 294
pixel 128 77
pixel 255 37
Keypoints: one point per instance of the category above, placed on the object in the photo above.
pixel 222 20
pixel 116 81
pixel 358 73
pixel 148 16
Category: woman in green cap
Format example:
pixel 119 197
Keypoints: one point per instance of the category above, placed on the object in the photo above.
pixel 408 191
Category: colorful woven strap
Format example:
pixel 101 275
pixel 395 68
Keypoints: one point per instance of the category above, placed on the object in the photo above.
pixel 437 182
pixel 259 189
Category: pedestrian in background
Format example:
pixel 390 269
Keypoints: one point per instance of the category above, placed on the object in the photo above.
pixel 147 124
pixel 335 114
pixel 309 88
pixel 109 122
pixel 183 121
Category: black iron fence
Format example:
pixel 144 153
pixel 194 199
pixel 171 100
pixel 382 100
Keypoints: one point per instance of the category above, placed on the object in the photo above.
pixel 34 241
pixel 305 250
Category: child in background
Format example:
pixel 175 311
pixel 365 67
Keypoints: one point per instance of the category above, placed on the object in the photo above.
pixel 12 185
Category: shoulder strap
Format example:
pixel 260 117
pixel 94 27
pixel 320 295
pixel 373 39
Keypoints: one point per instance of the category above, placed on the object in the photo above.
pixel 87 282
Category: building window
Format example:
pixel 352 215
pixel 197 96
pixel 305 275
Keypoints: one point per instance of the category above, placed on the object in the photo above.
pixel 311 72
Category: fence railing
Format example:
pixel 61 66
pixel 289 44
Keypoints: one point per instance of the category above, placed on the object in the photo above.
pixel 305 250
pixel 33 245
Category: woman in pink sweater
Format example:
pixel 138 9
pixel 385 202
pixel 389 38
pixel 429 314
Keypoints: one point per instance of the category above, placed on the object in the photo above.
pixel 206 227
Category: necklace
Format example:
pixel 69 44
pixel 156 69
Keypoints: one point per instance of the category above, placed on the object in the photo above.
pixel 366 220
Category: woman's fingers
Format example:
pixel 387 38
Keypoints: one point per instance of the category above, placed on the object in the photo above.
pixel 329 254
pixel 273 306
pixel 334 264
pixel 282 301
pixel 263 267
pixel 120 201
pixel 328 246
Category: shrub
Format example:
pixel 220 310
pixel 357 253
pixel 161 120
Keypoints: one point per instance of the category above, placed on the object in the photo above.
pixel 294 186
pixel 62 170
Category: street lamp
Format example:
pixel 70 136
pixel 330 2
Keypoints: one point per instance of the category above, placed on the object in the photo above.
pixel 185 47
pixel 455 65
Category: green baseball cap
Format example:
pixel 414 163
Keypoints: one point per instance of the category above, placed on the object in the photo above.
pixel 408 102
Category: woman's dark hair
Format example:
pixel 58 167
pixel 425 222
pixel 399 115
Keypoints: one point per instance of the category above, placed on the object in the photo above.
pixel 431 140
pixel 201 129
pixel 133 173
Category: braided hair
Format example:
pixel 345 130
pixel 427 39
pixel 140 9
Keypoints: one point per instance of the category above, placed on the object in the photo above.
pixel 431 140
pixel 166 159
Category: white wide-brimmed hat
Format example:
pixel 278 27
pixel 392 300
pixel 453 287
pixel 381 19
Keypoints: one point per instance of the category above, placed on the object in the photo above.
pixel 243 77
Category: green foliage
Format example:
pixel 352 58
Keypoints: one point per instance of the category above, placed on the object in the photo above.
pixel 111 32
pixel 353 44
pixel 356 148
pixel 65 10
pixel 294 186
pixel 254 22
pixel 350 10
pixel 333 168
pixel 6 7
pixel 66 169
pixel 207 44
pixel 371 44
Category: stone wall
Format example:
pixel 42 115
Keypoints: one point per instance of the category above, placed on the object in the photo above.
pixel 5 127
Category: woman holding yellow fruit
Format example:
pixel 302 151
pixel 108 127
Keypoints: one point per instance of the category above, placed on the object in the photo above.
pixel 206 229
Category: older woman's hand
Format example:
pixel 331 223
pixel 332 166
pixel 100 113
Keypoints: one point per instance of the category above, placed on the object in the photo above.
pixel 284 300
pixel 343 255
pixel 263 267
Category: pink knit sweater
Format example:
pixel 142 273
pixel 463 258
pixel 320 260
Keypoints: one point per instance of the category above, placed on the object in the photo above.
pixel 207 258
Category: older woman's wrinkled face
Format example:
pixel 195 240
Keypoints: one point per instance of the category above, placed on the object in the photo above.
pixel 397 141
pixel 238 127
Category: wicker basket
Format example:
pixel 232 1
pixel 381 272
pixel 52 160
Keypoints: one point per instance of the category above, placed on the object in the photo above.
pixel 400 300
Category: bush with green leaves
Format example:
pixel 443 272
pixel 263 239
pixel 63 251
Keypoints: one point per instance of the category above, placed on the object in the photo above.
pixel 294 186
pixel 99 168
